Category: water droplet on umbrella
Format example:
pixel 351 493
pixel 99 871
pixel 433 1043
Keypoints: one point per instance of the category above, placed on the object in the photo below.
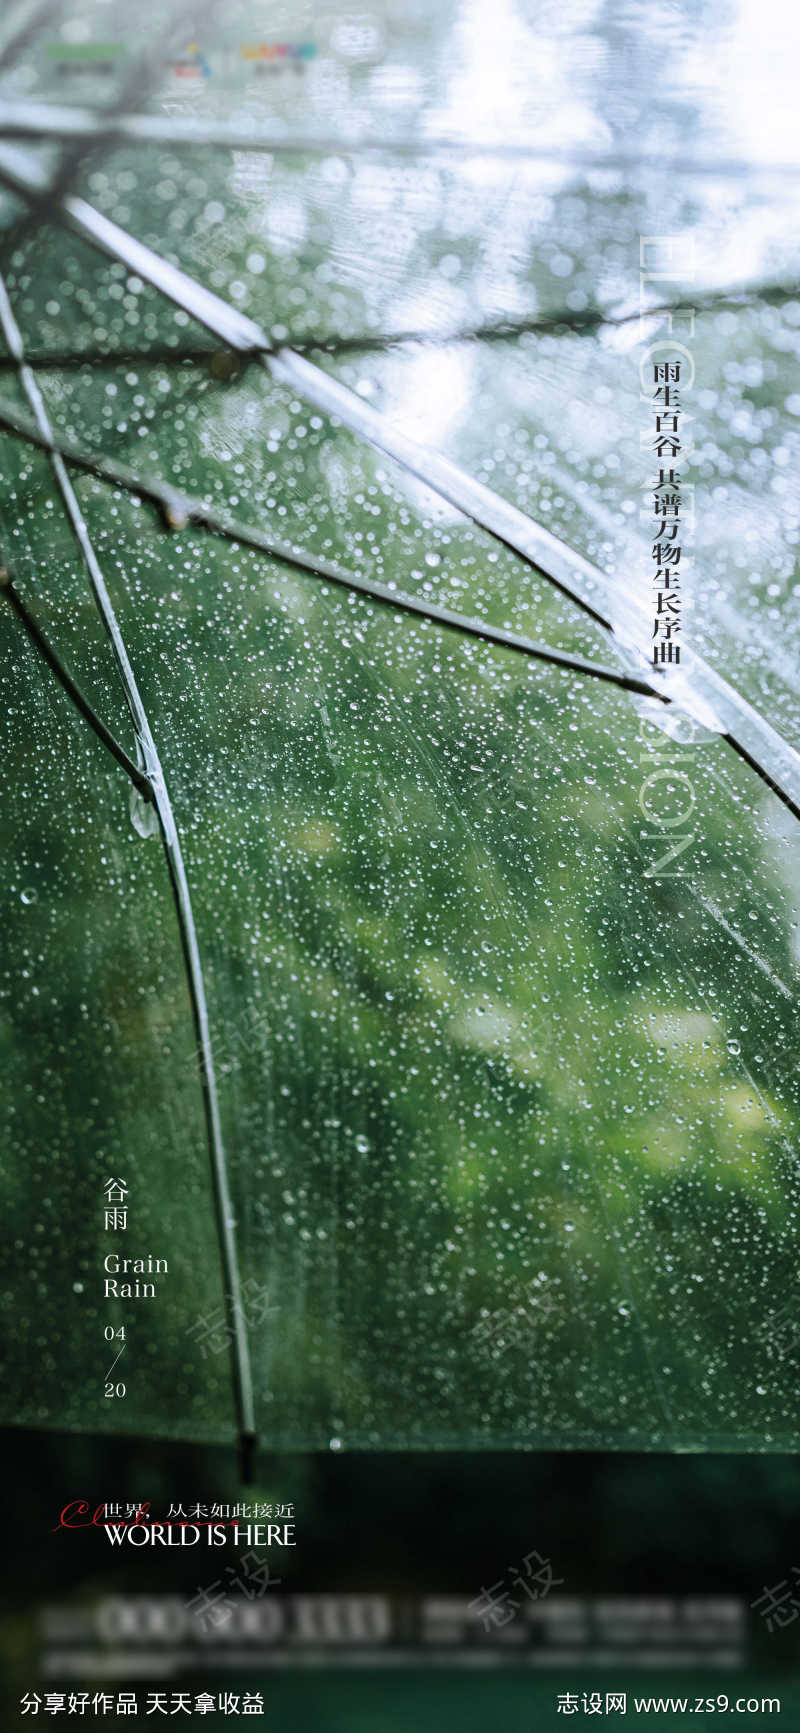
pixel 143 815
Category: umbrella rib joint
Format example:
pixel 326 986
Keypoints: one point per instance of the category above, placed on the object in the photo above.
pixel 152 770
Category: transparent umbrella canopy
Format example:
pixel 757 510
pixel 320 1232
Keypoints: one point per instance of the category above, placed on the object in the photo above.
pixel 414 959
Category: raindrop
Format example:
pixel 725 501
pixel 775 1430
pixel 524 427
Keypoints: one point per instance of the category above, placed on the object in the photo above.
pixel 143 815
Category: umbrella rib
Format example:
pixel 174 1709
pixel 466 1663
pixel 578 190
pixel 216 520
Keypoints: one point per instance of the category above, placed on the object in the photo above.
pixel 560 564
pixel 505 522
pixel 70 686
pixel 538 547
pixel 240 1353
pixel 500 330
pixel 24 119
pixel 181 509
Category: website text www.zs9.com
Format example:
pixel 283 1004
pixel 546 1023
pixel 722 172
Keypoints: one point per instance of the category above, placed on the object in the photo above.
pixel 721 1705
pixel 619 1703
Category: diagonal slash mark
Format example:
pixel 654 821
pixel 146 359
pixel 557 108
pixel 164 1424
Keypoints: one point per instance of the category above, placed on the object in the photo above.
pixel 114 1362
